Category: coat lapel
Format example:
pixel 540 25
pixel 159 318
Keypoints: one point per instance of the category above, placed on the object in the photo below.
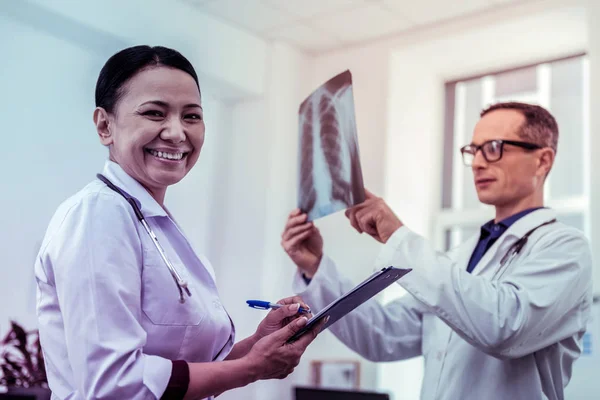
pixel 462 254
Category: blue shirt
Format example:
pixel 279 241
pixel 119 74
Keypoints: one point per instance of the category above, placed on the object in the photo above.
pixel 490 232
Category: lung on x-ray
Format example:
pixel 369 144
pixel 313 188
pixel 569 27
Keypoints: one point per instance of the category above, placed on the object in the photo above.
pixel 330 174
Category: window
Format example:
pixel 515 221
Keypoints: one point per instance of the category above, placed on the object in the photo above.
pixel 558 85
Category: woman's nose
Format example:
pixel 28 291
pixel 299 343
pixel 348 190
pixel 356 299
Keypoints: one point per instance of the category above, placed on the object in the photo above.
pixel 174 132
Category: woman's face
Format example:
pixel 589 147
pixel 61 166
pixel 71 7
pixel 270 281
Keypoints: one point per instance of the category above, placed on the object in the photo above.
pixel 157 128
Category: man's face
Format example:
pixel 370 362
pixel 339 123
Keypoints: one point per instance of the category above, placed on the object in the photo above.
pixel 519 173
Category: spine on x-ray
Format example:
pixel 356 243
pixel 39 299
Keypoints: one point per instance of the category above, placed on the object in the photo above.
pixel 331 143
pixel 308 196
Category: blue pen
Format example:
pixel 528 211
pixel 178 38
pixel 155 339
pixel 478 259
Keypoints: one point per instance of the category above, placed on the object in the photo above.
pixel 265 305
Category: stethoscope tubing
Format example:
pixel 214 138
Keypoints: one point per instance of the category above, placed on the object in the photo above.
pixel 182 285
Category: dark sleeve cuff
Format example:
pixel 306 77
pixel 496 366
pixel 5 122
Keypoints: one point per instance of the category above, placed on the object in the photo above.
pixel 306 280
pixel 179 382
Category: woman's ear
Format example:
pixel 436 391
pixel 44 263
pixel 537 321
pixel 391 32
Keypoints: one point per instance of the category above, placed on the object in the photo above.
pixel 103 126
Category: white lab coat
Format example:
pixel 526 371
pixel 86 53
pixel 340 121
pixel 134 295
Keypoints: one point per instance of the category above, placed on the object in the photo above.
pixel 498 333
pixel 109 314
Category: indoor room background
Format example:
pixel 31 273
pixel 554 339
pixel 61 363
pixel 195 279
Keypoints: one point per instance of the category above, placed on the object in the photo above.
pixel 422 71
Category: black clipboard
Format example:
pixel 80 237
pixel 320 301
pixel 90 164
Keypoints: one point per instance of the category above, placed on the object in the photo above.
pixel 354 298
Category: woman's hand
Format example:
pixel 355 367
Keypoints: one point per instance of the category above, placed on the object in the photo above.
pixel 273 358
pixel 277 319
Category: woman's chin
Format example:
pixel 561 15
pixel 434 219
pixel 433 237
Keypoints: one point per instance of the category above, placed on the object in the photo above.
pixel 167 178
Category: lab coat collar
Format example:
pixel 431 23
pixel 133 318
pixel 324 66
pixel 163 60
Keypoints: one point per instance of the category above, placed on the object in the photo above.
pixel 529 221
pixel 115 173
pixel 513 233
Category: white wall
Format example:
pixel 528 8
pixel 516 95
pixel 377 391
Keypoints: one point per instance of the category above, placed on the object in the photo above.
pixel 585 378
pixel 51 149
pixel 176 24
pixel 593 13
pixel 236 244
pixel 264 169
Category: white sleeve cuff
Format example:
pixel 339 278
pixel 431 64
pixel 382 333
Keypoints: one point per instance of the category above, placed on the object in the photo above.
pixel 157 373
pixel 388 251
pixel 326 271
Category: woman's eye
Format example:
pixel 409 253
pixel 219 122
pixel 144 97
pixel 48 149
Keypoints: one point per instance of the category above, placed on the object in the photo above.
pixel 194 116
pixel 153 113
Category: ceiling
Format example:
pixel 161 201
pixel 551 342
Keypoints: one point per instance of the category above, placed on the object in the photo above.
pixel 316 26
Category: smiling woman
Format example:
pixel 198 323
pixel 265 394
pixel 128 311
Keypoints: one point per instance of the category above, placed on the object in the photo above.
pixel 152 123
pixel 111 323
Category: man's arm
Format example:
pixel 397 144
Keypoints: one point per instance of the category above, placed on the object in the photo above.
pixel 543 300
pixel 532 307
pixel 377 332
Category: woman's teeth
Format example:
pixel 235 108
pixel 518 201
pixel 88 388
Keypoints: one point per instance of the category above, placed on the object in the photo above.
pixel 165 155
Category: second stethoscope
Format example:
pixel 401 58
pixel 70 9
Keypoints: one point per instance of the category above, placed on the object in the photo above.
pixel 179 281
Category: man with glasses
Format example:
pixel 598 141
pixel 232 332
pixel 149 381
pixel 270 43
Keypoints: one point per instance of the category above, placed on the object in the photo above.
pixel 501 316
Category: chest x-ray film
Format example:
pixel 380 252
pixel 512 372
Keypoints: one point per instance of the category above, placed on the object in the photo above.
pixel 330 174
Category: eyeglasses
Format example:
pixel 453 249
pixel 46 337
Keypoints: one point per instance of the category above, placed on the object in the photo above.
pixel 492 150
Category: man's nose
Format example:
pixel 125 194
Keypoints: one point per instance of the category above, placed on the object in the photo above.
pixel 479 160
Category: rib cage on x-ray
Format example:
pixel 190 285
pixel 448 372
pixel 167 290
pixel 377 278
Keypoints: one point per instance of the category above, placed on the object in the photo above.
pixel 330 175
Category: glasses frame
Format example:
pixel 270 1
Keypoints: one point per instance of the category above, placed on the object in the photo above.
pixel 502 142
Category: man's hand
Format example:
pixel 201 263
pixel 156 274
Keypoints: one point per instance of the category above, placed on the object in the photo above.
pixel 373 216
pixel 303 242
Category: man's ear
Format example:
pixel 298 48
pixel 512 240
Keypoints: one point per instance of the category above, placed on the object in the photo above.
pixel 103 126
pixel 546 161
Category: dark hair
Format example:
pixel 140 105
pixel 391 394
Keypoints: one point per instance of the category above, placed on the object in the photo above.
pixel 539 127
pixel 123 65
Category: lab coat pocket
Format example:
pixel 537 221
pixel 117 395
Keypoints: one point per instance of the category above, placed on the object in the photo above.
pixel 160 297
pixel 508 268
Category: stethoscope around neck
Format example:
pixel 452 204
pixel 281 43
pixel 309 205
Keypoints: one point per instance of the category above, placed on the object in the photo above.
pixel 179 281
pixel 517 246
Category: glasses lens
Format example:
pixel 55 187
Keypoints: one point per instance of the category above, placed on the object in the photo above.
pixel 468 155
pixel 492 150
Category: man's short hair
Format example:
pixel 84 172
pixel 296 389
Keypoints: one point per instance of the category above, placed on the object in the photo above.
pixel 539 127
